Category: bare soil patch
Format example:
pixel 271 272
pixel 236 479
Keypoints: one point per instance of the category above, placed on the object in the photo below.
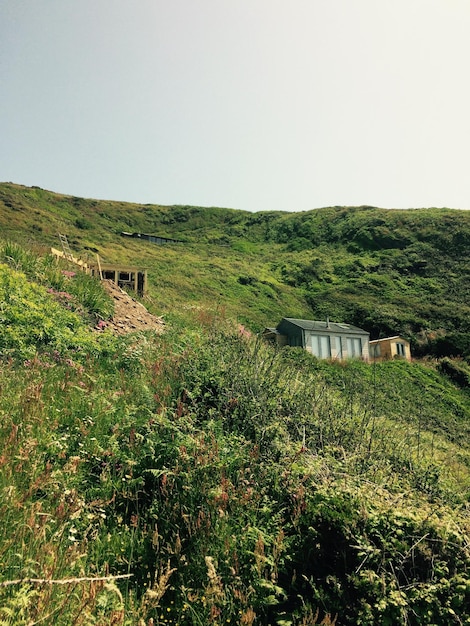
pixel 129 315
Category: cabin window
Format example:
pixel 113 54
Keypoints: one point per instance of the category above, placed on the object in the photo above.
pixel 337 348
pixel 354 345
pixel 321 346
pixel 376 351
pixel 400 349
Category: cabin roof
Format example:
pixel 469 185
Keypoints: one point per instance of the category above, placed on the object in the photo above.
pixel 323 325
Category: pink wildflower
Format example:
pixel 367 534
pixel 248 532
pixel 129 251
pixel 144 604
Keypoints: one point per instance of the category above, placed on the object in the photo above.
pixel 243 331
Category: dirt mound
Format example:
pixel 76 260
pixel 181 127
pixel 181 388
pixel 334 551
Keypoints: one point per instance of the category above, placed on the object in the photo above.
pixel 129 315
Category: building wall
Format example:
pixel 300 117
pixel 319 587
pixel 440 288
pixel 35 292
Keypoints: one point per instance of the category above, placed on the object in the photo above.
pixel 385 349
pixel 337 346
pixel 294 334
pixel 275 338
pixel 325 344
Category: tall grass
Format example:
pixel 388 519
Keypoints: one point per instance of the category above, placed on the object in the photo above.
pixel 201 477
pixel 70 284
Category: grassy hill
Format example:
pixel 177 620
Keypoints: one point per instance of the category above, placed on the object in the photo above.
pixel 202 477
pixel 387 271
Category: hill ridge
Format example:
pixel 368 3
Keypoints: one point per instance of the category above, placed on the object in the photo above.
pixel 390 271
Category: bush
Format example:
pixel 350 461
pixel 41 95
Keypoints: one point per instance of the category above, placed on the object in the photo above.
pixel 458 371
pixel 89 297
pixel 32 319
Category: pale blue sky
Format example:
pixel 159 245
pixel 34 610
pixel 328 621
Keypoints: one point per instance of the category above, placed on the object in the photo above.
pixel 250 104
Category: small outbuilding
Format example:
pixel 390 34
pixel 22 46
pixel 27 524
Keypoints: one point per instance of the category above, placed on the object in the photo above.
pixel 390 348
pixel 323 339
pixel 129 278
pixel 159 240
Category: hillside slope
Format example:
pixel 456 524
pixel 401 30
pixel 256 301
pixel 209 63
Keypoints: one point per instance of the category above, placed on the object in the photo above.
pixel 387 271
pixel 198 476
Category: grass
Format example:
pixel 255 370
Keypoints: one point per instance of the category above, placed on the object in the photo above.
pixel 386 271
pixel 197 464
pixel 202 477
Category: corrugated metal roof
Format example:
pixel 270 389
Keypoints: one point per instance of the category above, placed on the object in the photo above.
pixel 325 325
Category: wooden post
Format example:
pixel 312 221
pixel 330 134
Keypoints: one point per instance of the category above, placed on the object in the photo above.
pixel 99 266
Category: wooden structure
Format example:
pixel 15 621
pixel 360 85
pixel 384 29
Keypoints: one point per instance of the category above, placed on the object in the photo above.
pixel 129 278
pixel 390 348
pixel 67 255
pixel 152 238
pixel 323 339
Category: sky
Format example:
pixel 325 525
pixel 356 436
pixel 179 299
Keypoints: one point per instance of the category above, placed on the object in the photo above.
pixel 255 105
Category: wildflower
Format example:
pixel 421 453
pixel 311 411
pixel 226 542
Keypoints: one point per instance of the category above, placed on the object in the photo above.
pixel 243 332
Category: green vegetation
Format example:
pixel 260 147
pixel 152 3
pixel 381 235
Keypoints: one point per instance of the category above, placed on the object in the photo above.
pixel 52 312
pixel 388 271
pixel 201 476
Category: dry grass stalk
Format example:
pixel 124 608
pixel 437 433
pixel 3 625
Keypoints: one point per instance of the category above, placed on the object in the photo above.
pixel 214 589
pixel 154 594
pixel 61 581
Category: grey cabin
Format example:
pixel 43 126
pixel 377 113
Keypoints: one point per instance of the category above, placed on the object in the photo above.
pixel 324 339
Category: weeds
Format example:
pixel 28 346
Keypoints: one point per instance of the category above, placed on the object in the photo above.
pixel 201 477
pixel 74 289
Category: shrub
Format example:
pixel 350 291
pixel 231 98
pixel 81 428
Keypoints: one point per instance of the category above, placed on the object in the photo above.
pixel 31 320
pixel 87 291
